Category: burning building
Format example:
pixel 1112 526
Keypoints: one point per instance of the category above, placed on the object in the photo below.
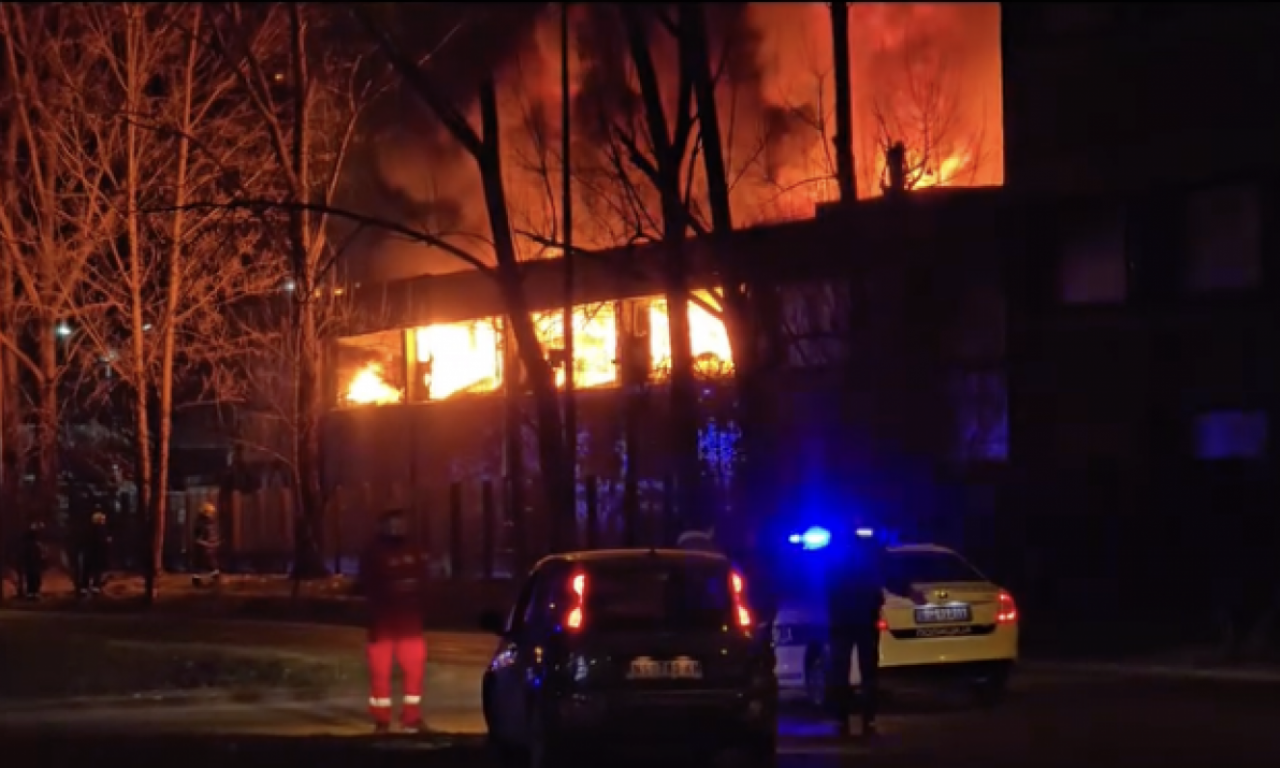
pixel 419 400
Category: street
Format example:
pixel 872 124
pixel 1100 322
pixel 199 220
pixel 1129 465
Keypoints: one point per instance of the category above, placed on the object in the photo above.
pixel 1053 717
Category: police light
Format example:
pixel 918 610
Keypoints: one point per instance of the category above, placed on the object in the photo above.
pixel 864 533
pixel 813 538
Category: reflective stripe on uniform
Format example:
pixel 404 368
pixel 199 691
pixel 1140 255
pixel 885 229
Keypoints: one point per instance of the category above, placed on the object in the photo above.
pixel 379 703
pixel 412 699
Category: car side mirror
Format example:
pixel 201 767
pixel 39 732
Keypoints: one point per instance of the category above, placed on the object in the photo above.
pixel 493 623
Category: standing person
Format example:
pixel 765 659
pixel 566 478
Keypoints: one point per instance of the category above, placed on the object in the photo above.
pixel 393 576
pixel 35 558
pixel 856 581
pixel 208 540
pixel 97 552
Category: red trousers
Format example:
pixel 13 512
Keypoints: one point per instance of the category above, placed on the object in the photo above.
pixel 410 652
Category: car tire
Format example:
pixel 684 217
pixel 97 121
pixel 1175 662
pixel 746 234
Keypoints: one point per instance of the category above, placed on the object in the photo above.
pixel 815 679
pixel 504 751
pixel 546 748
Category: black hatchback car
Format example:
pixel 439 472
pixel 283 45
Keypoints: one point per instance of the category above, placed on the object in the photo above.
pixel 630 649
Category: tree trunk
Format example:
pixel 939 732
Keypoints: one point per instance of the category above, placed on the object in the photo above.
pixel 144 478
pixel 553 462
pixel 47 463
pixel 846 175
pixel 309 542
pixel 173 291
pixel 10 448
pixel 513 454
pixel 307 242
pixel 735 306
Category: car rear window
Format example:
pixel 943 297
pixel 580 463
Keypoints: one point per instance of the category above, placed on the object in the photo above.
pixel 658 594
pixel 928 567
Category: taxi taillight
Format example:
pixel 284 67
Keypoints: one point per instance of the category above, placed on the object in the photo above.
pixel 883 623
pixel 578 586
pixel 1007 610
pixel 738 588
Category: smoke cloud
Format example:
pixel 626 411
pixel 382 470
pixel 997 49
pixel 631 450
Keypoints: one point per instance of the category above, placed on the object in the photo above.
pixel 926 74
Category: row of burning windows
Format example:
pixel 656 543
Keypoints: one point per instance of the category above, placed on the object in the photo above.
pixel 445 360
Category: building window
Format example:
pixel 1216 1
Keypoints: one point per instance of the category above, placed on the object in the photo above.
pixel 370 369
pixel 980 402
pixel 1092 268
pixel 1224 239
pixel 1223 435
pixel 815 318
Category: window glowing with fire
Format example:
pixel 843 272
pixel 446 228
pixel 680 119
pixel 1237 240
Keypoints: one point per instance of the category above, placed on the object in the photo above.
pixel 595 344
pixel 458 358
pixel 712 355
pixel 451 359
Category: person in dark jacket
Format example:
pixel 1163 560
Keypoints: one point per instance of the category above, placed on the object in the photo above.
pixel 856 580
pixel 393 579
pixel 208 540
pixel 97 552
pixel 35 558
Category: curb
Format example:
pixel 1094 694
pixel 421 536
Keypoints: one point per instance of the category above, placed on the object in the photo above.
pixel 1157 671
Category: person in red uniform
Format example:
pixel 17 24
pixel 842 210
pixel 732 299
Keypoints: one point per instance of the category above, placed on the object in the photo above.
pixel 393 575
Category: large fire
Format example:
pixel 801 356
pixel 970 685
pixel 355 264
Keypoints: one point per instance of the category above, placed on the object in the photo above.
pixel 466 358
pixel 710 341
pixel 927 75
pixel 595 343
pixel 459 357
pixel 369 387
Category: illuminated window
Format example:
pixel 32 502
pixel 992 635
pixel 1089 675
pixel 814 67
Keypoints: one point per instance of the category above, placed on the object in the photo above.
pixel 458 358
pixel 712 353
pixel 1221 435
pixel 371 369
pixel 595 343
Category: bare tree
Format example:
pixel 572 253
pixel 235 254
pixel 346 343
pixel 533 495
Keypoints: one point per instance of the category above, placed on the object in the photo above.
pixel 12 462
pixel 59 213
pixel 485 148
pixel 920 108
pixel 155 302
pixel 309 94
pixel 664 170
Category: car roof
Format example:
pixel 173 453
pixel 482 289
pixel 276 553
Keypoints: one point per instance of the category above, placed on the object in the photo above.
pixel 922 548
pixel 631 555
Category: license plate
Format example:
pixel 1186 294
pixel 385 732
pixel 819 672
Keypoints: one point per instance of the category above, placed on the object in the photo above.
pixel 683 668
pixel 950 614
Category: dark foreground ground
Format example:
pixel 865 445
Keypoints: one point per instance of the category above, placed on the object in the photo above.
pixel 1051 719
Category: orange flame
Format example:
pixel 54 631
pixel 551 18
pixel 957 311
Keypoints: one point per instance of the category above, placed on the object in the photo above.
pixel 924 74
pixel 369 387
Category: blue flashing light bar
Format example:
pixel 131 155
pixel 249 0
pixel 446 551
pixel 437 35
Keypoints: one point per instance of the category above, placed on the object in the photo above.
pixel 813 538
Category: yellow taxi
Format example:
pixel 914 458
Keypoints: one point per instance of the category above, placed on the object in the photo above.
pixel 955 626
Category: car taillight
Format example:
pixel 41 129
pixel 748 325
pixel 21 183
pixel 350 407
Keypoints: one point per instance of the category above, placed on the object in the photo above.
pixel 1008 610
pixel 739 589
pixel 573 620
pixel 882 624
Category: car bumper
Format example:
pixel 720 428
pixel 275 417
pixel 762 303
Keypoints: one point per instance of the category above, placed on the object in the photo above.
pixel 945 672
pixel 667 716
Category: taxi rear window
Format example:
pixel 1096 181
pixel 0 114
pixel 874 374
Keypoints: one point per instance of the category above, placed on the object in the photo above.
pixel 927 567
pixel 649 595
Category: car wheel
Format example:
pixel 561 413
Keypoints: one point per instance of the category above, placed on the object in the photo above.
pixel 815 679
pixel 546 749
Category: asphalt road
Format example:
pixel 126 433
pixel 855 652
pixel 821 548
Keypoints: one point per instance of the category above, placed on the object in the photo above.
pixel 1052 718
